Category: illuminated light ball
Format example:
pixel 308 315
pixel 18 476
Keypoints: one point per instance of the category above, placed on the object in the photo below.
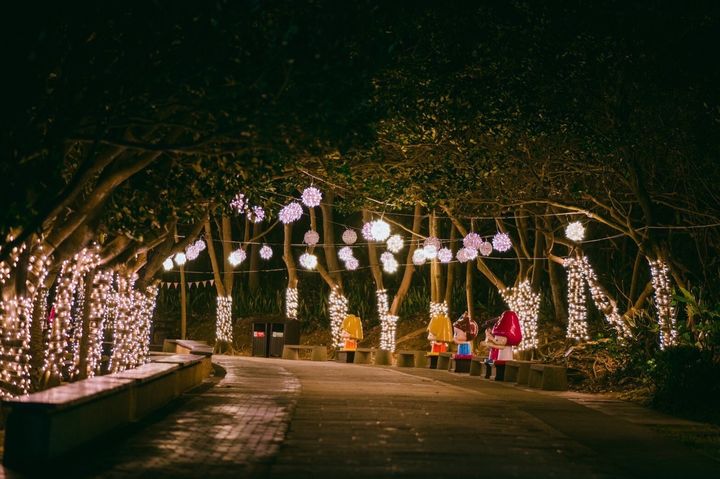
pixel 366 231
pixel 237 257
pixel 168 264
pixel 200 245
pixel 386 256
pixel 349 236
pixel 257 214
pixel 239 203
pixel 395 243
pixel 472 241
pixel 311 238
pixel 501 242
pixel 266 252
pixel 575 231
pixel 461 255
pixel 432 241
pixel 391 265
pixel 430 251
pixel 470 253
pixel 445 255
pixel 311 197
pixel 485 248
pixel 418 257
pixel 308 261
pixel 352 264
pixel 191 252
pixel 290 213
pixel 345 253
pixel 180 259
pixel 379 230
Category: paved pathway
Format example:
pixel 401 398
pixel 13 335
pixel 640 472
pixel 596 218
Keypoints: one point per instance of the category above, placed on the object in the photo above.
pixel 301 419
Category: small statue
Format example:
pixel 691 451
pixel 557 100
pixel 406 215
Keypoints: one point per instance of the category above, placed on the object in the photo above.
pixel 505 334
pixel 351 332
pixel 439 333
pixel 465 331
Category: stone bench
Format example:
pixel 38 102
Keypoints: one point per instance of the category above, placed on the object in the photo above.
pixel 517 371
pixel 192 369
pixel 408 359
pixel 48 424
pixel 154 385
pixel 187 346
pixel 383 358
pixel 478 366
pixel 444 361
pixel 292 352
pixel 363 355
pixel 548 377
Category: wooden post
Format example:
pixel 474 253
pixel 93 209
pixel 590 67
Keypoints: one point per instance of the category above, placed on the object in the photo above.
pixel 183 304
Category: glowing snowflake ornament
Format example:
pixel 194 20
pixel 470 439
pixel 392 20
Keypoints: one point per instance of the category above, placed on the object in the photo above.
pixel 352 264
pixel 237 257
pixel 349 236
pixel 168 264
pixel 430 251
pixel 311 238
pixel 395 243
pixel 501 242
pixel 290 213
pixel 575 231
pixel 445 255
pixel 345 253
pixel 308 261
pixel 386 256
pixel 311 197
pixel 266 252
pixel 391 265
pixel 418 257
pixel 180 259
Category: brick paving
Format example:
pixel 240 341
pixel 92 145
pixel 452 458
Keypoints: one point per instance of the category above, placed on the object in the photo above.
pixel 301 419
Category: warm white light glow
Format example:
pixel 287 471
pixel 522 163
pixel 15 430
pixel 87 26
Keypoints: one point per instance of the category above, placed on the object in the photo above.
pixel 291 303
pixel 223 326
pixel 308 261
pixel 526 305
pixel 180 259
pixel 395 243
pixel 418 257
pixel 501 242
pixel 168 264
pixel 445 255
pixel 660 274
pixel 266 252
pixel 237 257
pixel 337 309
pixel 352 264
pixel 388 322
pixel 311 197
pixel 290 213
pixel 575 231
pixel 577 312
pixel 379 230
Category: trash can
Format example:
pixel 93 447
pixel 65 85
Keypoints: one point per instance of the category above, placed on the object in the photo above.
pixel 259 340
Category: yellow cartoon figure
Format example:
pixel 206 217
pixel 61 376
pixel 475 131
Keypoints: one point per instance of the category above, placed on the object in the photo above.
pixel 352 332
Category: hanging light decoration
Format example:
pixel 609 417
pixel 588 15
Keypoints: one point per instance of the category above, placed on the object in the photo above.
pixel 266 252
pixel 395 243
pixel 432 241
pixel 485 248
pixel 256 214
pixel 501 242
pixel 345 253
pixel 386 256
pixel 291 303
pixel 168 264
pixel 308 261
pixel 472 240
pixel 430 251
pixel 445 255
pixel 575 231
pixel 337 308
pixel 366 231
pixel 379 230
pixel 239 203
pixel 526 304
pixel 180 259
pixel 391 265
pixel 290 213
pixel 577 311
pixel 461 255
pixel 311 197
pixel 192 252
pixel 418 257
pixel 237 257
pixel 349 236
pixel 311 238
pixel 352 264
pixel 660 276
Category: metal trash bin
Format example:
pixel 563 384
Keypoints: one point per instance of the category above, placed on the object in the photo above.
pixel 270 336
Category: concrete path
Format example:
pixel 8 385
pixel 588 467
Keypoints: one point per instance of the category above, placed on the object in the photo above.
pixel 301 419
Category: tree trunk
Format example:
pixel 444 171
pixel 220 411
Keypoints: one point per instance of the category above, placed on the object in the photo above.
pixel 254 275
pixel 409 267
pixel 84 346
pixel 450 276
pixel 469 289
pixel 372 256
pixel 227 248
pixel 435 273
pixel 331 259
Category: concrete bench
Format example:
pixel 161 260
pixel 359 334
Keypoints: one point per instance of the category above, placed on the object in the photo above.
pixel 292 351
pixel 406 359
pixel 517 371
pixel 154 385
pixel 187 346
pixel 478 366
pixel 383 357
pixel 363 355
pixel 444 360
pixel 192 369
pixel 48 424
pixel 548 377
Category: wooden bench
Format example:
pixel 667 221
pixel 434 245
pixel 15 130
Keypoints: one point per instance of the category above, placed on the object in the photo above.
pixel 292 351
pixel 444 360
pixel 548 377
pixel 363 356
pixel 48 424
pixel 518 371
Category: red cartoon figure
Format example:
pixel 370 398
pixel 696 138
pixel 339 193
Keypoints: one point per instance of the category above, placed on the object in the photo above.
pixel 505 334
